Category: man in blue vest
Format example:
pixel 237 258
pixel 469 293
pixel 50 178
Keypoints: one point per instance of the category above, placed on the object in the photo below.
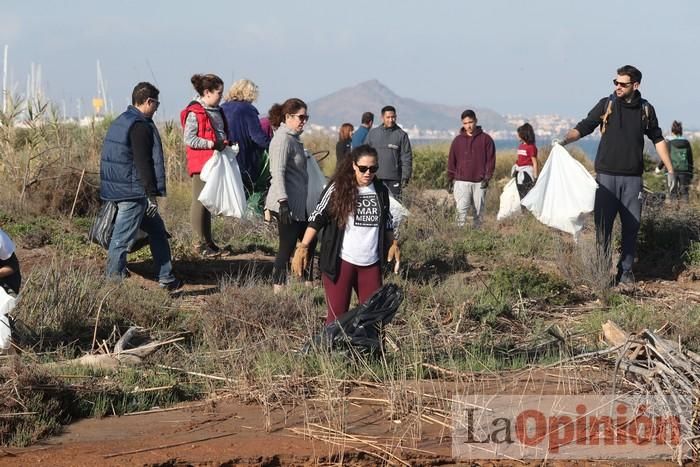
pixel 132 174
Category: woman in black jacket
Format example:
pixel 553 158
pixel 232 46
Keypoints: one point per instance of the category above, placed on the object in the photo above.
pixel 358 232
pixel 344 144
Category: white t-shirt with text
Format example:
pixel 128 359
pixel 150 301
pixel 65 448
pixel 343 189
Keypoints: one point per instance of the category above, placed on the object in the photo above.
pixel 360 243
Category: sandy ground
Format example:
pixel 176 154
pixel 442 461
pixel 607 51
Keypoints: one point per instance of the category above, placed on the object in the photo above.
pixel 227 431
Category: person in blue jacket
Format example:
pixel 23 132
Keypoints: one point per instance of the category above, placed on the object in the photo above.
pixel 244 128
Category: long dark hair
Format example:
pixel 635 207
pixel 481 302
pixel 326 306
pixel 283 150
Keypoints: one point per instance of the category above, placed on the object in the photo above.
pixel 345 132
pixel 344 196
pixel 526 133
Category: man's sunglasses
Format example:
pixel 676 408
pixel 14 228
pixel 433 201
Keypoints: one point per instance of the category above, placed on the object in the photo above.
pixel 364 168
pixel 621 84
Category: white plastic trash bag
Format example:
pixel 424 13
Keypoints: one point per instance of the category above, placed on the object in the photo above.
pixel 7 303
pixel 509 201
pixel 317 182
pixel 398 211
pixel 564 192
pixel 223 191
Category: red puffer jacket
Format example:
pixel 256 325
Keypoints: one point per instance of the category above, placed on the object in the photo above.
pixel 196 158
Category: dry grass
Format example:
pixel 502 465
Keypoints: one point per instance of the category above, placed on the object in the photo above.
pixel 503 297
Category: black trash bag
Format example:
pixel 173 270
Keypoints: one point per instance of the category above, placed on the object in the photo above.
pixel 361 329
pixel 103 225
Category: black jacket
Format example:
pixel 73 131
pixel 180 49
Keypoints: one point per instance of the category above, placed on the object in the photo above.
pixel 332 236
pixel 342 149
pixel 621 147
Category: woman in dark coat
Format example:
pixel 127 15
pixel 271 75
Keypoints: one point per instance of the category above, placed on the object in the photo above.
pixel 343 146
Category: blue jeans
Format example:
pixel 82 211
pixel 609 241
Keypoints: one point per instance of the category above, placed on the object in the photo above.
pixel 130 216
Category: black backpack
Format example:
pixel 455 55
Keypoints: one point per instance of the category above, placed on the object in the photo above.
pixel 361 329
pixel 609 108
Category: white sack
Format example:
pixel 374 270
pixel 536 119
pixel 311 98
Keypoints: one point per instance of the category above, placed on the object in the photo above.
pixel 509 201
pixel 223 191
pixel 398 211
pixel 7 246
pixel 317 182
pixel 7 303
pixel 564 192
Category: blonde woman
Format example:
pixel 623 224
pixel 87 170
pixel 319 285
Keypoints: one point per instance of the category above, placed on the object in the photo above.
pixel 244 128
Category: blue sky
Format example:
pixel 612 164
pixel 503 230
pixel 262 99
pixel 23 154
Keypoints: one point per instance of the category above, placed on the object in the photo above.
pixel 513 57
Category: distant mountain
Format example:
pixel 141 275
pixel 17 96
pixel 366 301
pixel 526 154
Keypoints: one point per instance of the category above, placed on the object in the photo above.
pixel 348 104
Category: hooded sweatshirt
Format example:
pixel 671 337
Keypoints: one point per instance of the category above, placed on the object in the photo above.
pixel 621 147
pixel 472 158
pixel 393 151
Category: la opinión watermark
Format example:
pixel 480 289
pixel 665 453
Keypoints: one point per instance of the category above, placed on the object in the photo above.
pixel 568 427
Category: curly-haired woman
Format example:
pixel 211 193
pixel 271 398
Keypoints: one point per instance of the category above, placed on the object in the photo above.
pixel 358 232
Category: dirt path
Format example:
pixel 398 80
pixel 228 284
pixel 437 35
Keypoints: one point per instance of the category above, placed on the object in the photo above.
pixel 228 432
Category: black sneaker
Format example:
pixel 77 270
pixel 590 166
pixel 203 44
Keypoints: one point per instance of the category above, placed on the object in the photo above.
pixel 172 286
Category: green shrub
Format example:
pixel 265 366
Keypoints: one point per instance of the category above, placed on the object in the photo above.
pixel 665 237
pixel 430 166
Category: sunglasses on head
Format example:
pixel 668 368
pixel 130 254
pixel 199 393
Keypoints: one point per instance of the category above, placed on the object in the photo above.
pixel 621 84
pixel 364 168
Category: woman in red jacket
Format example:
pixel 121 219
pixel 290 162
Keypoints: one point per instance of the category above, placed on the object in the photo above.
pixel 204 131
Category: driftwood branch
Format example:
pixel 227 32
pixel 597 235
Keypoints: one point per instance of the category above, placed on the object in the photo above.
pixel 132 349
pixel 665 369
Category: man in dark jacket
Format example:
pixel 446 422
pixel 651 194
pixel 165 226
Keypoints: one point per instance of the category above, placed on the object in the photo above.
pixel 624 118
pixel 470 167
pixel 394 149
pixel 132 174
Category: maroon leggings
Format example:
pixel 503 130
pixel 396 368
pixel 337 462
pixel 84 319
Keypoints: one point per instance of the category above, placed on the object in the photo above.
pixel 365 280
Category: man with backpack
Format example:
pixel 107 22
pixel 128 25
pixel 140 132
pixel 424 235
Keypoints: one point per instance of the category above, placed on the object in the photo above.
pixel 624 119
